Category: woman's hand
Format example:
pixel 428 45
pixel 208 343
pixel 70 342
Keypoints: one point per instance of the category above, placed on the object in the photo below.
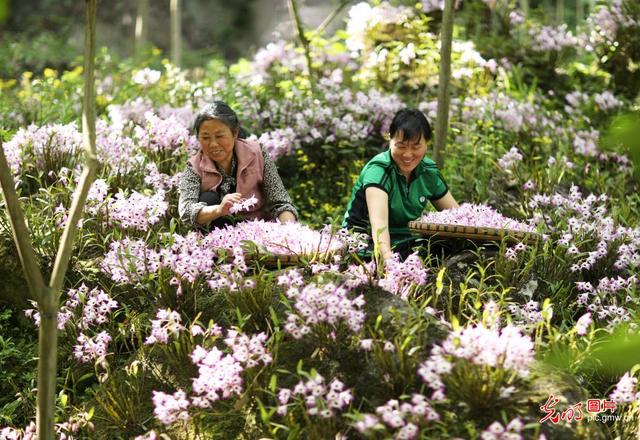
pixel 213 212
pixel 227 202
pixel 287 217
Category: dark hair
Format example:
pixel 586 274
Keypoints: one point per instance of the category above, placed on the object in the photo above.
pixel 412 124
pixel 220 111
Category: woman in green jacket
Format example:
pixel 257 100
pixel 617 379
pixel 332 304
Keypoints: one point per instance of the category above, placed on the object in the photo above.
pixel 395 186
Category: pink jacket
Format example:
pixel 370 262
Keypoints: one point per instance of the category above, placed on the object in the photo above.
pixel 249 175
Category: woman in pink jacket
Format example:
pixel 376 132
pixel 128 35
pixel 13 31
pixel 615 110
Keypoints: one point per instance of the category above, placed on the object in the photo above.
pixel 226 170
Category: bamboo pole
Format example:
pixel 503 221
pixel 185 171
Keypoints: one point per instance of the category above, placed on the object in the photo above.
pixel 442 117
pixel 176 32
pixel 297 23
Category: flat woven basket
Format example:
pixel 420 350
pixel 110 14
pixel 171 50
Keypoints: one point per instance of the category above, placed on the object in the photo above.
pixel 270 261
pixel 477 233
pixel 276 260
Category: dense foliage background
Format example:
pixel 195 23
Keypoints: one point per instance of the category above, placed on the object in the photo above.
pixel 164 331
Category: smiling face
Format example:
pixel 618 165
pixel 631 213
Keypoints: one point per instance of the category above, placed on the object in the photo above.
pixel 407 153
pixel 217 140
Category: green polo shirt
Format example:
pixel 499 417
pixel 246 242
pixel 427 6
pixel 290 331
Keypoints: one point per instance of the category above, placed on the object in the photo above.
pixel 406 201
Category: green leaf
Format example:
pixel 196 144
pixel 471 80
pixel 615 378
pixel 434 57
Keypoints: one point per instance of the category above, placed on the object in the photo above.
pixel 439 283
pixel 64 399
pixel 378 323
pixel 274 316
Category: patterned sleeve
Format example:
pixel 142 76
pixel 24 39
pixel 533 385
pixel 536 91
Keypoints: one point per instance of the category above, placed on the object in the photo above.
pixel 189 192
pixel 276 196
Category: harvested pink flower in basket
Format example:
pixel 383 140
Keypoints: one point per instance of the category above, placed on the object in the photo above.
pixel 479 222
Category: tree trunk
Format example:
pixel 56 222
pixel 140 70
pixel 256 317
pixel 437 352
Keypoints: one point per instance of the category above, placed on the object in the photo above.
pixel 142 17
pixel 47 296
pixel 176 32
pixel 48 337
pixel 442 118
pixel 47 364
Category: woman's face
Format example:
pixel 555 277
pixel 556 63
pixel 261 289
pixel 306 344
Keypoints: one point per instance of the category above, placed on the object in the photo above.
pixel 217 140
pixel 407 153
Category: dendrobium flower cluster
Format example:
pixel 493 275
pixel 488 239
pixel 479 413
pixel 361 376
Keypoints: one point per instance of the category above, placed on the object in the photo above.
pixel 510 158
pixel 551 38
pixel 159 181
pixel 276 238
pixel 319 399
pixel 137 211
pixel 162 134
pixel 401 276
pixel 219 373
pixel 592 238
pixel 496 431
pixel 323 304
pixel 48 142
pixel 404 419
pixel 167 323
pixel 506 348
pixel 277 143
pixel 608 300
pixel 87 310
pixel 91 348
pixel 626 390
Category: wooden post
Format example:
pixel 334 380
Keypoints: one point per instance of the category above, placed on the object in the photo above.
pixel 559 12
pixel 579 13
pixel 442 118
pixel 141 31
pixel 176 32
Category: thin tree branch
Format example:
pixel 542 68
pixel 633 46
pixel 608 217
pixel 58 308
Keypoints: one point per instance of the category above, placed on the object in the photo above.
pixel 295 18
pixel 21 235
pixel 330 17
